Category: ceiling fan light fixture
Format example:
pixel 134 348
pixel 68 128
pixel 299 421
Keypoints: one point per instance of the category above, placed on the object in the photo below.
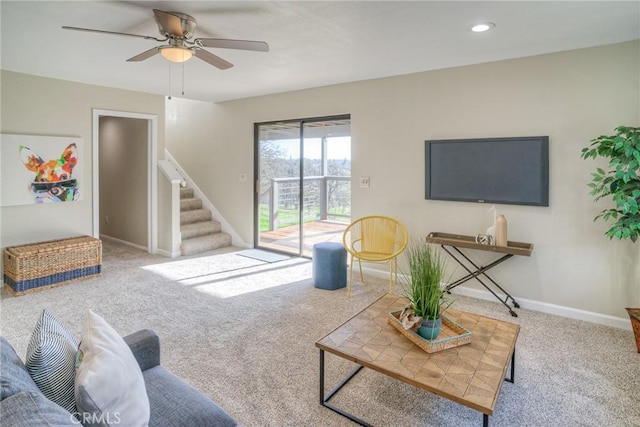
pixel 482 27
pixel 176 54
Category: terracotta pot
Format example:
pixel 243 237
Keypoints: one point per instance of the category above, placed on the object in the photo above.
pixel 634 315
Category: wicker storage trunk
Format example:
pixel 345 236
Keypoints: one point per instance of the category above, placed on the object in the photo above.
pixel 43 265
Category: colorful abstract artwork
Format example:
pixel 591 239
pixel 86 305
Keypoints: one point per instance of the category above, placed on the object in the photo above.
pixel 39 169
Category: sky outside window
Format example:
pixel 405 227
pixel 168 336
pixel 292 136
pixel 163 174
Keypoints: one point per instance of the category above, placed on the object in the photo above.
pixel 338 148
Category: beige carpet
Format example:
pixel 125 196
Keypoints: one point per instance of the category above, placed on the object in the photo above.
pixel 243 332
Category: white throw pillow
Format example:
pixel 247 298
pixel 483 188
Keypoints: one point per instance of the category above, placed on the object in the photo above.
pixel 50 360
pixel 109 387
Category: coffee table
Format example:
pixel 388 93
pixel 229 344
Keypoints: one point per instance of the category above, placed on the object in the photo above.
pixel 471 374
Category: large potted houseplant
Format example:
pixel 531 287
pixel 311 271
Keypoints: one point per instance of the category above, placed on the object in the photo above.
pixel 620 181
pixel 422 287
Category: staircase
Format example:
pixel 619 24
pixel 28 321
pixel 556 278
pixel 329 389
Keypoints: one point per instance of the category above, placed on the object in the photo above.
pixel 199 232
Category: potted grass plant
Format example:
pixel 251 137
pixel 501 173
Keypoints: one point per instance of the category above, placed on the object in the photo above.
pixel 422 287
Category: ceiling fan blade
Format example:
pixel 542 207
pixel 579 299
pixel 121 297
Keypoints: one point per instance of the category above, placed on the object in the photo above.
pixel 144 55
pixel 212 59
pixel 169 23
pixel 64 27
pixel 253 45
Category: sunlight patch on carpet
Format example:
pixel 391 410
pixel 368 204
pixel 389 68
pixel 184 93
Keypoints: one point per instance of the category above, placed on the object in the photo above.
pixel 268 276
pixel 201 266
pixel 261 255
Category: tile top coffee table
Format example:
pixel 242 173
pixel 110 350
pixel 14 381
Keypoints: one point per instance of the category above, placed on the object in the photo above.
pixel 471 375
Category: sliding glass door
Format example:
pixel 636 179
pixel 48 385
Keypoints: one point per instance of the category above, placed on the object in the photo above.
pixel 303 185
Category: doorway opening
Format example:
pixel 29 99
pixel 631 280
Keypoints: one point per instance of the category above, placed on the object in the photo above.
pixel 303 185
pixel 125 178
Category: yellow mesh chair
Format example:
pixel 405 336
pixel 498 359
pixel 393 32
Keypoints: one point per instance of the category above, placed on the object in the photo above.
pixel 375 238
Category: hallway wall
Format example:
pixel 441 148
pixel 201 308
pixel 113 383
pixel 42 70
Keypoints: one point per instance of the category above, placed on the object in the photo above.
pixel 123 209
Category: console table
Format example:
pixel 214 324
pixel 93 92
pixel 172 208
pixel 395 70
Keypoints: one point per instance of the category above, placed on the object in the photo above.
pixel 457 241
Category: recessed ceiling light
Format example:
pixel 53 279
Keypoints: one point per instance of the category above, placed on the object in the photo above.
pixel 481 28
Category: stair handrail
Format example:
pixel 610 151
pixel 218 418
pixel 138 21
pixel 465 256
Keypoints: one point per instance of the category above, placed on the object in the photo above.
pixel 171 173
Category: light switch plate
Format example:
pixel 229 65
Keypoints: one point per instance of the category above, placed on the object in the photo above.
pixel 364 182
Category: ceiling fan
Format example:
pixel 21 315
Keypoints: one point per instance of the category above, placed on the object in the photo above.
pixel 178 30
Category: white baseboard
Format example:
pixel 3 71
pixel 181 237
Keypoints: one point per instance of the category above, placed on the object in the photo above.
pixel 124 242
pixel 558 310
pixel 168 254
pixel 159 251
pixel 543 307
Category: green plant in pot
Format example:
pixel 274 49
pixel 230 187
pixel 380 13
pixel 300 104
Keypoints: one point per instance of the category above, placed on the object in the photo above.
pixel 620 181
pixel 423 289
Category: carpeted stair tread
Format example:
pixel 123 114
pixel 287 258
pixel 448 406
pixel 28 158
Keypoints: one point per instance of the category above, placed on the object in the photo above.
pixel 186 193
pixel 198 231
pixel 190 204
pixel 195 229
pixel 197 215
pixel 205 243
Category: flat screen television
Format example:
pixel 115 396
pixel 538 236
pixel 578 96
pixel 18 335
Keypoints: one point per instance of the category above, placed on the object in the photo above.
pixel 488 170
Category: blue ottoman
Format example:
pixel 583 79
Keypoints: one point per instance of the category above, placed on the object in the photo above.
pixel 329 266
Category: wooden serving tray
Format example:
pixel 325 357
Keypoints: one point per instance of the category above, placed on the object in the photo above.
pixel 451 335
pixel 461 241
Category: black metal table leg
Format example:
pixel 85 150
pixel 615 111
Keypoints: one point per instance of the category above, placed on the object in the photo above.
pixel 322 377
pixel 324 398
pixel 481 270
pixel 513 367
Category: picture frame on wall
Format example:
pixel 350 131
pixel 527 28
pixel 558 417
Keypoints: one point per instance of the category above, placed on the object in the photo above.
pixel 40 169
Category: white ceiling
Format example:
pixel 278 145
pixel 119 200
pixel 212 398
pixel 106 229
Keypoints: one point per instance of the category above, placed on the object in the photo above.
pixel 311 43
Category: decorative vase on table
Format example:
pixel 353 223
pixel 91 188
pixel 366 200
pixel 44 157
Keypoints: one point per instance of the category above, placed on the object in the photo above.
pixel 501 231
pixel 429 329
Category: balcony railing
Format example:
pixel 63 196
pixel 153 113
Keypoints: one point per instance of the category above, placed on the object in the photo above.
pixel 325 197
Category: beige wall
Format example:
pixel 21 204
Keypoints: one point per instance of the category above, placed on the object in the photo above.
pixel 40 106
pixel 571 96
pixel 124 179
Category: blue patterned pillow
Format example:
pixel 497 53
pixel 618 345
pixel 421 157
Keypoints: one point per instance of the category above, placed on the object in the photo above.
pixel 33 409
pixel 50 360
pixel 14 377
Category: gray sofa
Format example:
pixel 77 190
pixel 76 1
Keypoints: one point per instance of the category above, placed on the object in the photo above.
pixel 173 402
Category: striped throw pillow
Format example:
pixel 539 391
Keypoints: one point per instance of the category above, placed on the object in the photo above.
pixel 50 360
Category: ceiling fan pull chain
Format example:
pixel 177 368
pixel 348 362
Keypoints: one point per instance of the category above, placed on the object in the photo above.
pixel 183 79
pixel 171 68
